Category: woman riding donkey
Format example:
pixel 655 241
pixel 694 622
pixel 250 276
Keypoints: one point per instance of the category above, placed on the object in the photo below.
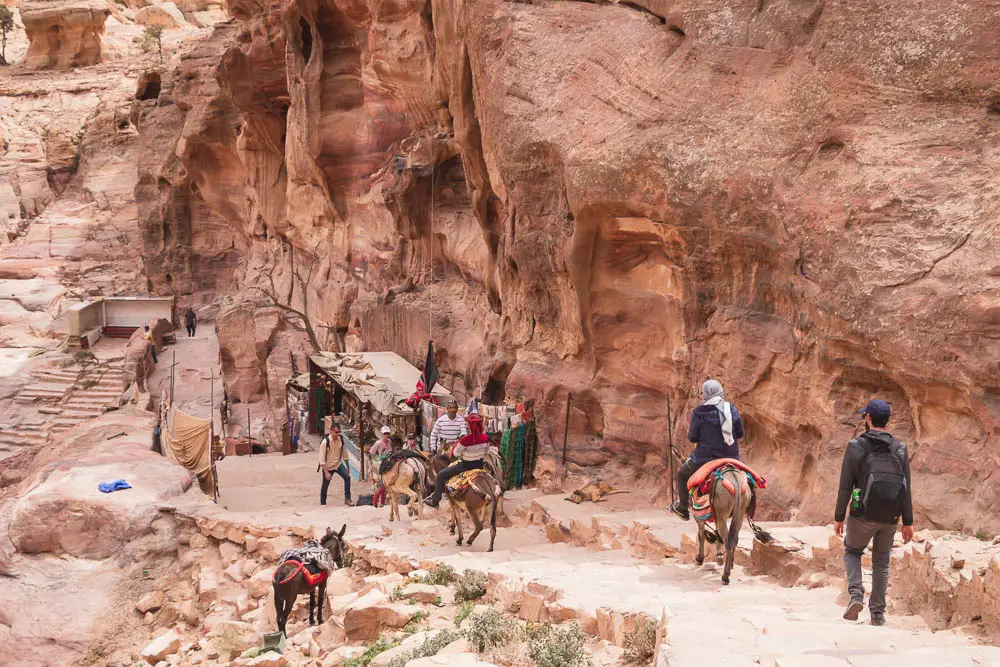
pixel 724 485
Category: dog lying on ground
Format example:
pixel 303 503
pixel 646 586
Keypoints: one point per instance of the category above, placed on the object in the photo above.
pixel 594 492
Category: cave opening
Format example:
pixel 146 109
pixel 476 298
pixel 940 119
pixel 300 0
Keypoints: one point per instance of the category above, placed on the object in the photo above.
pixel 307 39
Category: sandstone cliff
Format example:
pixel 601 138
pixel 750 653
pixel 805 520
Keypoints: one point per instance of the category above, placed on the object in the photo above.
pixel 798 197
pixel 63 33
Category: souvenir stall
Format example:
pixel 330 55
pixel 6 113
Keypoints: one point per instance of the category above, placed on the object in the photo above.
pixel 365 391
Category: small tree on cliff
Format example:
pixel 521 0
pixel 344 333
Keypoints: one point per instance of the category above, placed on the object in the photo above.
pixel 6 25
pixel 298 318
pixel 152 37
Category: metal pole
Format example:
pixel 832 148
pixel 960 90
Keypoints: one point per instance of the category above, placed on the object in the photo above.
pixel 670 450
pixel 249 432
pixel 172 364
pixel 569 400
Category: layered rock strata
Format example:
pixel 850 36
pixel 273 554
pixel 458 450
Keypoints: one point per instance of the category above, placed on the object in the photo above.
pixel 63 33
pixel 614 201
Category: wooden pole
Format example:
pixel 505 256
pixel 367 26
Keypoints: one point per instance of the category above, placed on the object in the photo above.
pixel 172 364
pixel 569 400
pixel 211 437
pixel 249 432
pixel 670 450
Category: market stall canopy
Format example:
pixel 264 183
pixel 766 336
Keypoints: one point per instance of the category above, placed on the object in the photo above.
pixel 300 382
pixel 383 379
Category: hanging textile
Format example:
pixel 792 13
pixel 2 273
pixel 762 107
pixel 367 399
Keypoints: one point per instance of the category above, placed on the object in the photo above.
pixel 530 450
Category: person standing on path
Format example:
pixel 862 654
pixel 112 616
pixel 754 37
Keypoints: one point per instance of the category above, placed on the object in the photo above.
pixel 190 320
pixel 148 335
pixel 379 451
pixel 332 461
pixel 875 481
pixel 716 427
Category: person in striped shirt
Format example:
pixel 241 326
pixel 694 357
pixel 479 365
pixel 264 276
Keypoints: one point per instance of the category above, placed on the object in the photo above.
pixel 469 450
pixel 448 428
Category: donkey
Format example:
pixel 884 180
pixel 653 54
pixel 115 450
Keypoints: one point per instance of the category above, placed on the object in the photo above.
pixel 292 578
pixel 407 476
pixel 731 496
pixel 481 496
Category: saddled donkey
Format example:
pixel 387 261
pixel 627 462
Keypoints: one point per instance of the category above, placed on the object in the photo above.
pixel 482 497
pixel 731 495
pixel 293 576
pixel 405 473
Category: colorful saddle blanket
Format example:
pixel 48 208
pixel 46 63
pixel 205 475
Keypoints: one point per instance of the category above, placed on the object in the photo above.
pixel 313 574
pixel 702 483
pixel 461 481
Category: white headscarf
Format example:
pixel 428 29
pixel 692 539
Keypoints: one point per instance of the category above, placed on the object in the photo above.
pixel 712 393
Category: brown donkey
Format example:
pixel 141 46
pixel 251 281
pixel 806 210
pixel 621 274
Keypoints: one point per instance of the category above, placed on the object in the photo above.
pixel 731 496
pixel 483 495
pixel 292 577
pixel 407 476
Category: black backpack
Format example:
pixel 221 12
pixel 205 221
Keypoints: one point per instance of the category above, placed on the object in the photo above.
pixel 883 483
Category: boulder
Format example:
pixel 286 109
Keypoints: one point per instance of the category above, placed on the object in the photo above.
pixel 458 646
pixel 63 512
pixel 208 586
pixel 428 594
pixel 259 584
pixel 272 548
pixel 385 657
pixel 386 583
pixel 229 552
pixel 371 614
pixel 161 647
pixel 341 655
pixel 190 612
pixel 164 14
pixel 268 659
pixel 151 601
pixel 63 33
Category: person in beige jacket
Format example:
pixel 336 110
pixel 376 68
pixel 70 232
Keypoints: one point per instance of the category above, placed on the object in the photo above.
pixel 333 460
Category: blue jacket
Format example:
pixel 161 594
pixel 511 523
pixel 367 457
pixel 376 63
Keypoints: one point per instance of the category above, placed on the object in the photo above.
pixel 706 430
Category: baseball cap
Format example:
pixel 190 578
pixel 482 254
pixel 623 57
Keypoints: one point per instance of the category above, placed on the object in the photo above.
pixel 876 408
pixel 386 429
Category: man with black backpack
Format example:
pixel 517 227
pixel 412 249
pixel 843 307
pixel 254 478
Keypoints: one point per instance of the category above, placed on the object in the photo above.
pixel 875 481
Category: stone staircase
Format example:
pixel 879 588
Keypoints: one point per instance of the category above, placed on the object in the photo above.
pixel 97 392
pixel 61 398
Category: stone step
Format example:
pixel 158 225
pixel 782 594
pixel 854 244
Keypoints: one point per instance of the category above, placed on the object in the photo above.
pixel 22 439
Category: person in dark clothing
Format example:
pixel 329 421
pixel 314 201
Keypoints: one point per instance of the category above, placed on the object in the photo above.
pixel 715 427
pixel 190 320
pixel 884 495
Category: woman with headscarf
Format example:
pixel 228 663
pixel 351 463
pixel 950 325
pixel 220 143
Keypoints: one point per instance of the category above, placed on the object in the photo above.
pixel 715 429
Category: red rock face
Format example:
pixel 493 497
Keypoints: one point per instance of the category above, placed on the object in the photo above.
pixel 795 197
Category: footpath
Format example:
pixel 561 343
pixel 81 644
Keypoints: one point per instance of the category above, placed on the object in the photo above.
pixel 608 569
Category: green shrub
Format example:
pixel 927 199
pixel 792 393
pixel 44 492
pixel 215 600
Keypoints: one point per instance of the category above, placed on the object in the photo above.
pixel 431 647
pixel 464 611
pixel 490 630
pixel 380 645
pixel 470 586
pixel 641 643
pixel 981 535
pixel 558 647
pixel 416 623
pixel 443 576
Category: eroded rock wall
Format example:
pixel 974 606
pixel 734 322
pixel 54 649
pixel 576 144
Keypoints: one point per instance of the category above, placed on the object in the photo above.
pixel 797 197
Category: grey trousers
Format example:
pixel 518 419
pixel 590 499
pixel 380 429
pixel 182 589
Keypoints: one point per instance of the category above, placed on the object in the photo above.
pixel 859 533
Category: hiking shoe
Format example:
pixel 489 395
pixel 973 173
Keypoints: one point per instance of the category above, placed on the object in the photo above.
pixel 853 609
pixel 348 502
pixel 878 619
pixel 683 513
pixel 430 503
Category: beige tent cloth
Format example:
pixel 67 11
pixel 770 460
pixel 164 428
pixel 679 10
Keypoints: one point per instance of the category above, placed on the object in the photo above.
pixel 187 442
pixel 383 379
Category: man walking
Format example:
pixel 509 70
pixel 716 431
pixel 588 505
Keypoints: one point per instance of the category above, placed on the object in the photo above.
pixel 332 460
pixel 715 427
pixel 875 480
pixel 448 427
pixel 190 320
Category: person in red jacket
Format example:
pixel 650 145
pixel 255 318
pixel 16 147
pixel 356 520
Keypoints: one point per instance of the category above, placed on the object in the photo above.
pixel 470 450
